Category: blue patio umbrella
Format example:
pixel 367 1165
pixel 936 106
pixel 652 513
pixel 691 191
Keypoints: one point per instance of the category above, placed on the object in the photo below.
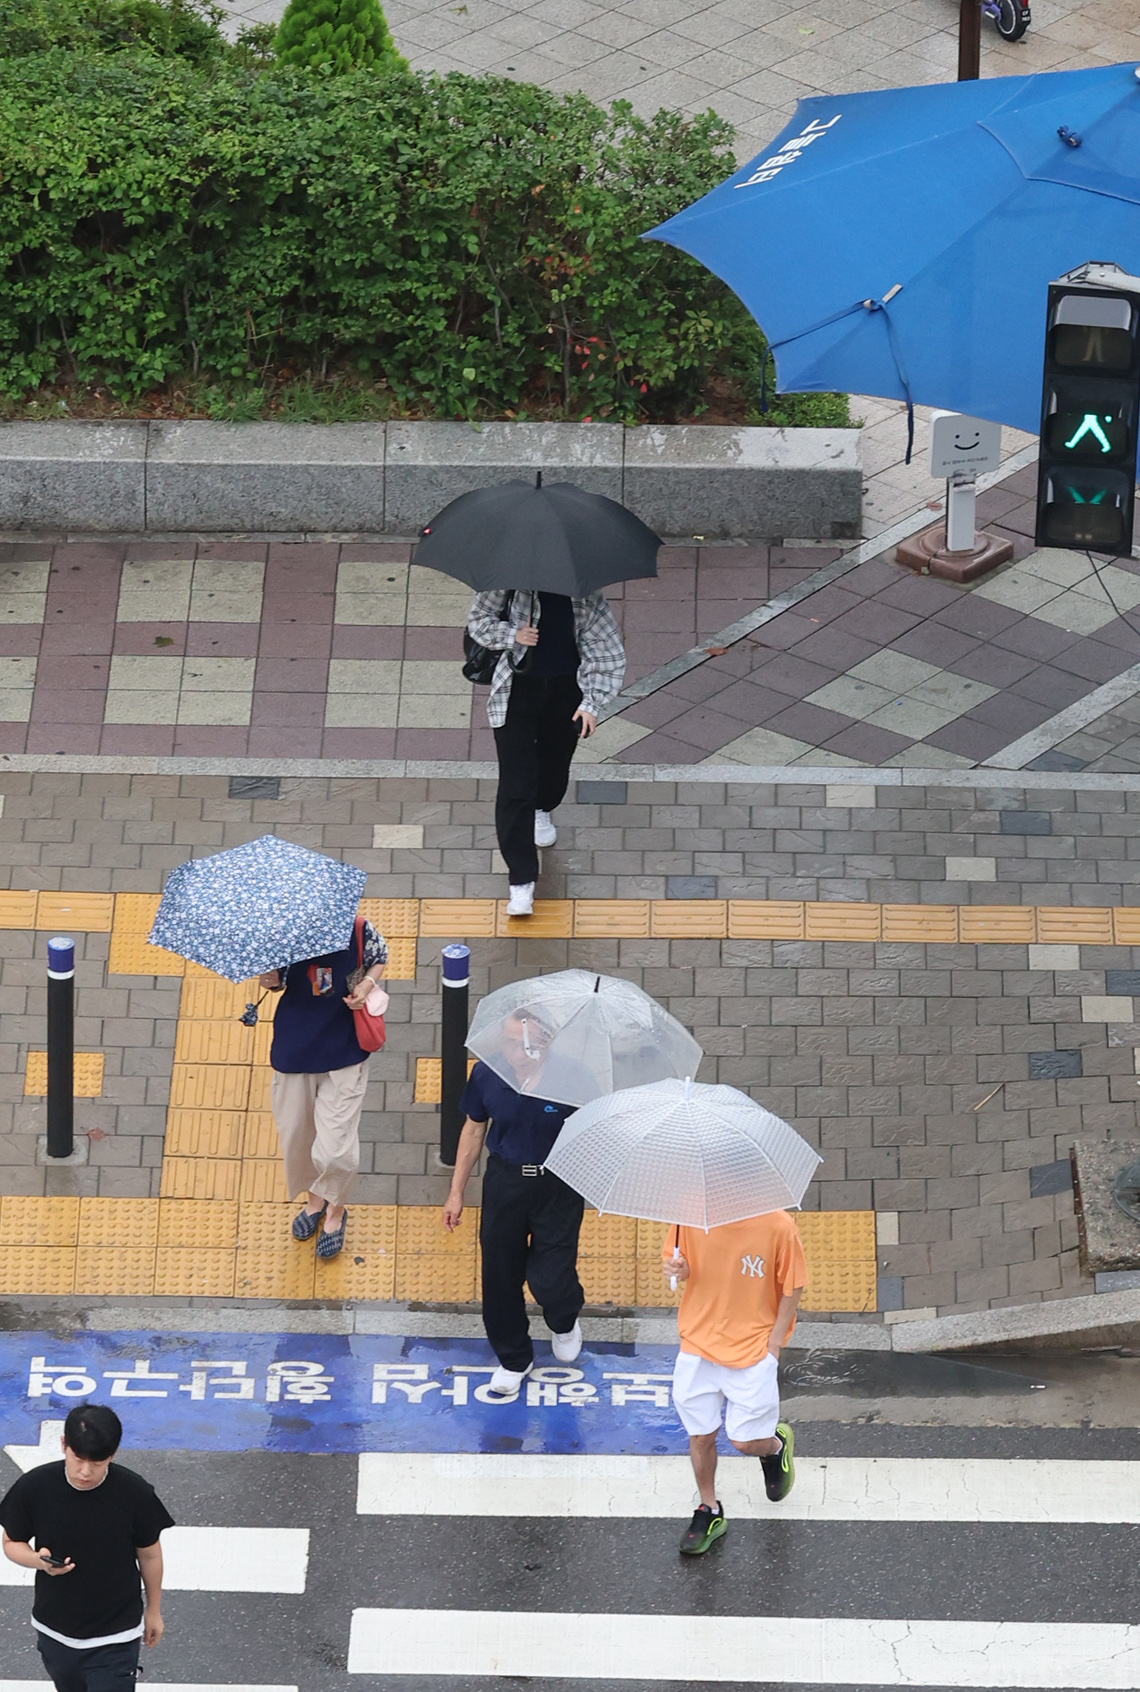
pixel 900 243
pixel 257 907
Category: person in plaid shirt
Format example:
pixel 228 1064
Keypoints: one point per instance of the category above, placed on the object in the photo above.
pixel 562 661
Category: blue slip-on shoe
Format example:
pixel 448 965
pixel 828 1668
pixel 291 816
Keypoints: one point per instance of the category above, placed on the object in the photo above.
pixel 306 1223
pixel 330 1244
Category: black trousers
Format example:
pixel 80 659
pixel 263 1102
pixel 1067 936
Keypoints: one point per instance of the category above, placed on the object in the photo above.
pixel 535 746
pixel 106 1668
pixel 529 1232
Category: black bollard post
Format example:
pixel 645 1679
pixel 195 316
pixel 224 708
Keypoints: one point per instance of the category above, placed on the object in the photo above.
pixel 453 1068
pixel 61 1047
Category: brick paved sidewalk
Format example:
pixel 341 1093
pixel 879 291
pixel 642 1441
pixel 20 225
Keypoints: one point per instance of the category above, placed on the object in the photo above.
pixel 944 1079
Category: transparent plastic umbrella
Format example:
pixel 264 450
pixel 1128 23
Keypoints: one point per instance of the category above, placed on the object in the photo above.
pixel 679 1151
pixel 575 1035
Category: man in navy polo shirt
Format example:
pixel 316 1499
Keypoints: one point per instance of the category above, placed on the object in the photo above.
pixel 530 1222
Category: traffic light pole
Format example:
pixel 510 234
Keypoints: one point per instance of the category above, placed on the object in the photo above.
pixel 969 40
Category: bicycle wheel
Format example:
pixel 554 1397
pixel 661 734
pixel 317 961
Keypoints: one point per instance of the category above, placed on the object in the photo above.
pixel 1012 20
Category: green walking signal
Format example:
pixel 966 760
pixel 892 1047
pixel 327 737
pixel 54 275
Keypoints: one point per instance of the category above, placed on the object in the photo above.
pixel 1090 411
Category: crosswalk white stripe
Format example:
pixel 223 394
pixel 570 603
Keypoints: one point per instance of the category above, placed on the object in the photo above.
pixel 791 1650
pixel 870 1489
pixel 217 1559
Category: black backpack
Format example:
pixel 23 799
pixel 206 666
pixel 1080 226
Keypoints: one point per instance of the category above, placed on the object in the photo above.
pixel 479 660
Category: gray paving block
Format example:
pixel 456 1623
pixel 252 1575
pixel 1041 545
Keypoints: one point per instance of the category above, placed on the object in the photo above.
pixel 1054 1066
pixel 1026 822
pixel 690 887
pixel 1046 1178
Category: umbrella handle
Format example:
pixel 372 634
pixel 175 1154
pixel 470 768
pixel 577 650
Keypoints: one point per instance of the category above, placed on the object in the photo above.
pixel 676 1259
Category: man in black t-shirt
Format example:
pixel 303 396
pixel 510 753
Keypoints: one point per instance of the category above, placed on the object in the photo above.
pixel 528 1228
pixel 96 1527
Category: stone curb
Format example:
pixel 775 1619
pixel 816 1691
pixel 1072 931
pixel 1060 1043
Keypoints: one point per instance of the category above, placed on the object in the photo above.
pixel 1103 1319
pixel 800 776
pixel 685 481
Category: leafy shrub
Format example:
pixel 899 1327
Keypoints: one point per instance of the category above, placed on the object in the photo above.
pixel 471 244
pixel 187 29
pixel 340 35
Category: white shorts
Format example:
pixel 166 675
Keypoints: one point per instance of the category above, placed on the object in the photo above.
pixel 701 1389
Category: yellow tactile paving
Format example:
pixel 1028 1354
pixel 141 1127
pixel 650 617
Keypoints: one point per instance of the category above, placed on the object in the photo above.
pixel 186 1247
pixel 91 913
pixel 609 1280
pixel 115 1222
pixel 841 921
pixel 420 1233
pixel 765 919
pixel 260 1135
pixel 214 1042
pixel 279 1271
pixel 260 1082
pixel 1126 925
pixel 205 1133
pixel 39 1221
pixel 87 1071
pixel 834 1286
pixel 130 952
pixel 207 998
pixel 396 919
pixel 263 1181
pixel 17 910
pixel 607 1236
pixel 106 1270
pixel 193 1224
pixel 552 919
pixel 1088 925
pixel 838 1236
pixel 181 1272
pixel 366 1268
pixel 998 924
pixel 200 1178
pixel 457 919
pixel 933 925
pixel 401 965
pixel 688 919
pixel 435 1280
pixel 37 1269
pixel 611 919
pixel 210 1086
pixel 429 1079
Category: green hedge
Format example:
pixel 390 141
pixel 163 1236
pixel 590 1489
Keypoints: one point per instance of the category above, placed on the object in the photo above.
pixel 470 242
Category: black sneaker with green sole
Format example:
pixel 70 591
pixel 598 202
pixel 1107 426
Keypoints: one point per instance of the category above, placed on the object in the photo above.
pixel 780 1469
pixel 706 1527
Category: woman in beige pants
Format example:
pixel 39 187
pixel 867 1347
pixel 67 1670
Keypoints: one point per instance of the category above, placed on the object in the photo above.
pixel 320 1073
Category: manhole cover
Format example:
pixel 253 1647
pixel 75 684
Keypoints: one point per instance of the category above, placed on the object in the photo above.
pixel 1126 1190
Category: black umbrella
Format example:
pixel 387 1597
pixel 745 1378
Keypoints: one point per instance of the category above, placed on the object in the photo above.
pixel 554 539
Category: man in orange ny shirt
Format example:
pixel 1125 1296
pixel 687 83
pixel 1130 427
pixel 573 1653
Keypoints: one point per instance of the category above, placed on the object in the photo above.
pixel 742 1283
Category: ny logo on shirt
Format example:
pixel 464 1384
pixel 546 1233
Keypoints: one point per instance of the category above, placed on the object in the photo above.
pixel 752 1266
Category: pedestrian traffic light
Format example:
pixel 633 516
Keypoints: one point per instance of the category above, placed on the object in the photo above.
pixel 1086 481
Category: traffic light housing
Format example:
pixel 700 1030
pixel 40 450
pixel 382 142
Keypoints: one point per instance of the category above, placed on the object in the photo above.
pixel 1090 411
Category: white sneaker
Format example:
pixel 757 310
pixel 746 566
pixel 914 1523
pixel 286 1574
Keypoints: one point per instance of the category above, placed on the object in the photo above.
pixel 505 1383
pixel 567 1346
pixel 521 901
pixel 545 833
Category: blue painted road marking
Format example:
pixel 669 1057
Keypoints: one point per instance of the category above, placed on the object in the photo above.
pixel 338 1392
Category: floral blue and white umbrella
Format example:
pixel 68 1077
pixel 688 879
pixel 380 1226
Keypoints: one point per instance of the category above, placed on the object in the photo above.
pixel 258 907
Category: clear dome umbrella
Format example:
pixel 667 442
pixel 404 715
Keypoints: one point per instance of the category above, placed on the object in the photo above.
pixel 575 1035
pixel 680 1151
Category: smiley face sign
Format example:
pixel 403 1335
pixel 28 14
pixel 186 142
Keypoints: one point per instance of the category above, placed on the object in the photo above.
pixel 963 446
